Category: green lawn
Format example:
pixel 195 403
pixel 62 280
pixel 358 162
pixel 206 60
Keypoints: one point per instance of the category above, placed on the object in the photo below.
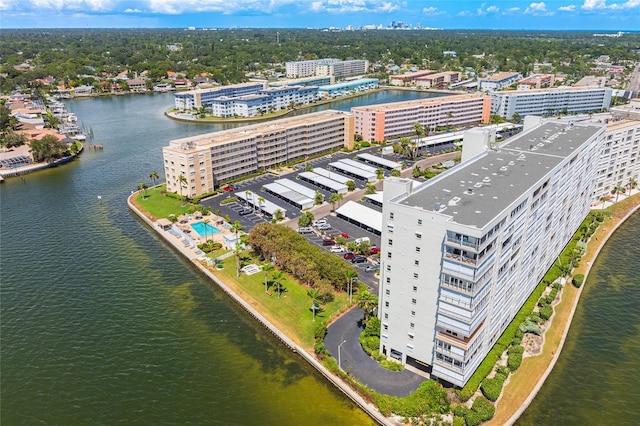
pixel 158 205
pixel 291 312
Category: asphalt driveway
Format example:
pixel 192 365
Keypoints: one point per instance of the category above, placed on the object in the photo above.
pixel 354 360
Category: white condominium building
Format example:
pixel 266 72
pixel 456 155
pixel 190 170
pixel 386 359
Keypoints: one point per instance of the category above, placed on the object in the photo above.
pixel 498 81
pixel 619 163
pixel 343 68
pixel 392 120
pixel 306 68
pixel 208 160
pixel 462 252
pixel 195 99
pixel 552 101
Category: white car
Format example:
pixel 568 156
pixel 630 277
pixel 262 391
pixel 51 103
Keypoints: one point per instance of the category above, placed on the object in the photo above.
pixel 320 222
pixel 323 226
pixel 336 249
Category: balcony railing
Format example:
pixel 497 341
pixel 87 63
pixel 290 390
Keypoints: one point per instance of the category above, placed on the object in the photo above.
pixel 461 258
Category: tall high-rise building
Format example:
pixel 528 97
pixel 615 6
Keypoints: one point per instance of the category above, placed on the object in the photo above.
pixel 462 252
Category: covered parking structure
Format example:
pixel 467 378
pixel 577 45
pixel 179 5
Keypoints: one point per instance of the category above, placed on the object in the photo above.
pixel 379 162
pixel 292 197
pixel 331 175
pixel 265 206
pixel 323 182
pixel 353 171
pixel 300 189
pixel 362 216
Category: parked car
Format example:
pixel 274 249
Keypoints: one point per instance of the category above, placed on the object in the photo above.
pixel 336 249
pixel 362 240
pixel 349 255
pixel 305 230
pixel 358 259
pixel 323 227
pixel 345 235
pixel 327 242
pixel 371 268
pixel 319 222
pixel 245 211
pixel 228 188
pixel 374 250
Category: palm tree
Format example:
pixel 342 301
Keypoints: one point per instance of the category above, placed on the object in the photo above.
pixel 603 199
pixel 154 175
pixel 246 193
pixel 277 277
pixel 266 267
pixel 333 199
pixel 319 198
pixel 206 223
pixel 260 201
pixel 617 190
pixel 278 216
pixel 181 181
pixel 380 173
pixel 417 172
pixel 351 185
pixel 351 275
pixel 417 127
pixel 367 302
pixel 632 184
pixel 340 197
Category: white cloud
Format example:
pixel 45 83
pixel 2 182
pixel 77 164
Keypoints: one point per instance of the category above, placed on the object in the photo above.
pixel 538 9
pixel 132 11
pixel 630 4
pixel 511 11
pixel 465 13
pixel 432 11
pixel 350 6
pixel 594 4
pixel 493 9
pixel 569 8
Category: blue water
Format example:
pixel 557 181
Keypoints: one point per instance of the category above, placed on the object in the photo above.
pixel 205 229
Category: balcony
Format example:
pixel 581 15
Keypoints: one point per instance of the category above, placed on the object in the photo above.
pixel 461 258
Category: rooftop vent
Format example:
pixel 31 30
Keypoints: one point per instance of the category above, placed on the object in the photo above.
pixel 469 191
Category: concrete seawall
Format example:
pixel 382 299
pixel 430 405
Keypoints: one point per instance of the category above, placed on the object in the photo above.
pixel 369 408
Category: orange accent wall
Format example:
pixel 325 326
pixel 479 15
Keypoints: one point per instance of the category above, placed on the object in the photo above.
pixel 486 110
pixel 380 117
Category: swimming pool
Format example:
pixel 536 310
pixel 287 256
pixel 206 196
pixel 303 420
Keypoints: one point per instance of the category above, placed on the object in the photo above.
pixel 204 229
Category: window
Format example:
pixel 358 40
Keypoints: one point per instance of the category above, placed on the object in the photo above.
pixel 413 313
pixel 386 327
pixel 416 262
pixel 412 325
pixel 390 215
pixel 388 268
pixel 419 221
pixel 390 242
pixel 415 288
pixel 388 255
pixel 387 292
pixel 414 301
pixel 417 249
pixel 386 315
pixel 410 336
pixel 418 235
pixel 386 304
pixel 388 280
pixel 415 275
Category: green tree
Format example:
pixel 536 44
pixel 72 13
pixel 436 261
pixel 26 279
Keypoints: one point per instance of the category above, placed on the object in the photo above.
pixel 417 127
pixel 10 139
pixel 380 173
pixel 318 198
pixel 416 172
pixel 305 219
pixel 278 215
pixel 333 199
pixel 266 268
pixel 154 175
pixel 368 302
pixel 632 184
pixel 277 277
pixel 371 189
pixel 396 173
pixel 351 185
pixel 364 248
pixel 182 181
pixel 47 149
pixel 143 187
pixel 206 222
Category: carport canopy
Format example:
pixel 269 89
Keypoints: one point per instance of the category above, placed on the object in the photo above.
pixel 331 175
pixel 362 216
pixel 324 182
pixel 266 206
pixel 378 161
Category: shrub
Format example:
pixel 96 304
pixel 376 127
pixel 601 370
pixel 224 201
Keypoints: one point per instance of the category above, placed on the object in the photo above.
pixel 492 388
pixel 503 370
pixel 516 350
pixel 516 341
pixel 473 418
pixel 578 280
pixel 391 365
pixel 529 326
pixel 319 348
pixel 320 331
pixel 484 408
pixel 228 200
pixel 546 312
pixel 514 361
pixel 458 421
pixel 364 144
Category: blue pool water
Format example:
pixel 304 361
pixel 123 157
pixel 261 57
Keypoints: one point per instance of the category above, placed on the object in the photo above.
pixel 204 229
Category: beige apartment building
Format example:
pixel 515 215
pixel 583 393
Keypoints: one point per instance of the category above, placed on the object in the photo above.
pixel 392 120
pixel 209 160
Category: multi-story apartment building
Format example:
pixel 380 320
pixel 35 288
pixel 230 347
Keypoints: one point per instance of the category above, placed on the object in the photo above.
pixel 343 68
pixel 536 81
pixel 438 79
pixel 266 100
pixel 619 162
pixel 392 120
pixel 195 99
pixel 208 160
pixel 498 81
pixel 462 252
pixel 298 69
pixel 348 87
pixel 557 100
pixel 409 78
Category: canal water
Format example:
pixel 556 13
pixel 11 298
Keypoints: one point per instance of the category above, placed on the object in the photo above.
pixel 596 380
pixel 102 323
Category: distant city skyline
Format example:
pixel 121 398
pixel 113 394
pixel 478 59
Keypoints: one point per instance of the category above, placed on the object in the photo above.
pixel 620 15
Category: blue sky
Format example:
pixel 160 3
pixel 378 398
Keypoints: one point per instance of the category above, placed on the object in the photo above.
pixel 614 15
